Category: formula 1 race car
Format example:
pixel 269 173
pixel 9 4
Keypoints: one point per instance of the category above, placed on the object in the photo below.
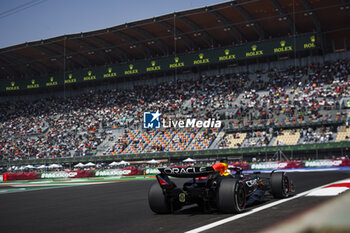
pixel 211 191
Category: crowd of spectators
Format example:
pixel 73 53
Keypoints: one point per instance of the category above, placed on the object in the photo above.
pixel 289 98
pixel 58 127
pixel 257 139
pixel 227 141
pixel 319 135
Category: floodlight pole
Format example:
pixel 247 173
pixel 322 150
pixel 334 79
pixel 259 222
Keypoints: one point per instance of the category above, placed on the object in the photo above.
pixel 294 40
pixel 64 67
pixel 175 46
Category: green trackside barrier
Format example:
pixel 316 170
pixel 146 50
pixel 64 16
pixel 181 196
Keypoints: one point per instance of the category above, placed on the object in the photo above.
pixel 183 154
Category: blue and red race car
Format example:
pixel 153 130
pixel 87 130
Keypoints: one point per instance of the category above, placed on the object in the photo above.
pixel 212 191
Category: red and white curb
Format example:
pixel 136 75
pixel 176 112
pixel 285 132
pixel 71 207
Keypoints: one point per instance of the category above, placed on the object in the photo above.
pixel 342 183
pixel 332 190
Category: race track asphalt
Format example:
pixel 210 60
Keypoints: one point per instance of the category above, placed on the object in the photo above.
pixel 123 207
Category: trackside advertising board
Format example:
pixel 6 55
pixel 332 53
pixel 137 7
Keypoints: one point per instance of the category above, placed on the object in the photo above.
pixel 327 163
pixel 66 174
pixel 112 172
pixel 276 165
pixel 152 171
pixel 97 173
pixel 119 172
pixel 300 164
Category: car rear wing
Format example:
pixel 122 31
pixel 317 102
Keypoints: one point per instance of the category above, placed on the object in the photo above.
pixel 187 172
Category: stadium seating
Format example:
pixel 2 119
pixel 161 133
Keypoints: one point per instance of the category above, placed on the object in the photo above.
pixel 235 140
pixel 57 127
pixel 182 139
pixel 161 141
pixel 287 137
pixel 125 140
pixel 204 139
pixel 343 134
pixel 140 142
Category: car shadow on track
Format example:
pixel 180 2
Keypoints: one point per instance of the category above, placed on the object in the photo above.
pixel 196 210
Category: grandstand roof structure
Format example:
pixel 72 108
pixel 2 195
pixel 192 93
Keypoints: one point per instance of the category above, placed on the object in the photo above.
pixel 230 23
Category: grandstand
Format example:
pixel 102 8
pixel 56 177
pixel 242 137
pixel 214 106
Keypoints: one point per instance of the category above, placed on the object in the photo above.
pixel 287 137
pixel 277 79
pixel 344 134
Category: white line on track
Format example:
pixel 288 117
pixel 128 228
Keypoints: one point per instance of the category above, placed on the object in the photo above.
pixel 60 184
pixel 238 216
pixel 48 186
pixel 333 191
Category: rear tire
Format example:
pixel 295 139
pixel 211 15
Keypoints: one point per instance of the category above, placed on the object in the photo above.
pixel 231 196
pixel 157 201
pixel 279 185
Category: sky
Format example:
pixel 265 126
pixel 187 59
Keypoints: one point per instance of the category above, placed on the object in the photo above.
pixel 31 20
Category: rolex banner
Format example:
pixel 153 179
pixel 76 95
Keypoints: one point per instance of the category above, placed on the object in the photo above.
pixel 219 55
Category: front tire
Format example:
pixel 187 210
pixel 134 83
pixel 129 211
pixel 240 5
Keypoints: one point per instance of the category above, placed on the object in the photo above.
pixel 231 196
pixel 279 185
pixel 157 201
